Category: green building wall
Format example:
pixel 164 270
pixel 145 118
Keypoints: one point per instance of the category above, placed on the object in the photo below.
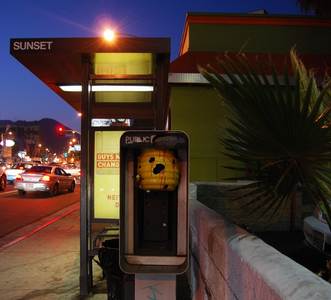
pixel 198 110
pixel 259 39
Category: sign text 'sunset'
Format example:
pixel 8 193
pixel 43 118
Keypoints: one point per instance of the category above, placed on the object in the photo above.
pixel 32 45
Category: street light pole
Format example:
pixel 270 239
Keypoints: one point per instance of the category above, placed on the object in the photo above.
pixel 3 146
pixel 4 136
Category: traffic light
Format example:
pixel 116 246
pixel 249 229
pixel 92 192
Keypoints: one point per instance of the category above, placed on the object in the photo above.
pixel 154 202
pixel 59 130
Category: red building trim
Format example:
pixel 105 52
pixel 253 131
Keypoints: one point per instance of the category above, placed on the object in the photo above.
pixel 188 62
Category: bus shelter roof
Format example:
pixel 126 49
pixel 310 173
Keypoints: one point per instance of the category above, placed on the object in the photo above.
pixel 59 62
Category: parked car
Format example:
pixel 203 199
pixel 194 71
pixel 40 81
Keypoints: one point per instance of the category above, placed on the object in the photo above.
pixel 3 177
pixel 317 232
pixel 16 169
pixel 51 179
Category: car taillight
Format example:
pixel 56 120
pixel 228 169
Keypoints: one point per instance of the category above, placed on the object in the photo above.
pixel 18 178
pixel 45 178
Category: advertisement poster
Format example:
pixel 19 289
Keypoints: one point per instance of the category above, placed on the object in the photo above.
pixel 107 174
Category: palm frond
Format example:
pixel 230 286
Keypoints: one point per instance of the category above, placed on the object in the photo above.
pixel 278 126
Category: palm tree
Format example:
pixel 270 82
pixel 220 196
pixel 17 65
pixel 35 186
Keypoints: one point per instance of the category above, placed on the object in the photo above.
pixel 280 127
pixel 319 7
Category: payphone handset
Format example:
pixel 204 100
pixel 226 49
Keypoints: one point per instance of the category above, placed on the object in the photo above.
pixel 154 207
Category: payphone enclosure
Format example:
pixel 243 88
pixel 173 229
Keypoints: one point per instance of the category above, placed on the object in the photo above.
pixel 154 207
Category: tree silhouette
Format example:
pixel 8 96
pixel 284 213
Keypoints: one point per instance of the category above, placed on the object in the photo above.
pixel 320 8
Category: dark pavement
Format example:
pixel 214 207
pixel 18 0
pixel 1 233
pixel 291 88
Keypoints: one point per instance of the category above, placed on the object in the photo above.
pixel 17 211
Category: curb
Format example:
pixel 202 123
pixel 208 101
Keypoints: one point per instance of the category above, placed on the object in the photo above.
pixel 8 192
pixel 29 230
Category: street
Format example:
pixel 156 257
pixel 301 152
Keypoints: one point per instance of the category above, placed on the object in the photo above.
pixel 18 211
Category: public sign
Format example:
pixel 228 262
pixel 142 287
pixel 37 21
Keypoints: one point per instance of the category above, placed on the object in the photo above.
pixel 21 154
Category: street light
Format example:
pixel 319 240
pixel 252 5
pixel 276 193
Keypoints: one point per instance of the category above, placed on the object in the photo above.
pixel 109 35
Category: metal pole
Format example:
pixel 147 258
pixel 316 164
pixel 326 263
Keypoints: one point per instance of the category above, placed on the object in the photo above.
pixel 84 197
pixel 3 145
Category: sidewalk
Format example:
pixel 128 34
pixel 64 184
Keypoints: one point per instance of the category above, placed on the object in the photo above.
pixel 43 260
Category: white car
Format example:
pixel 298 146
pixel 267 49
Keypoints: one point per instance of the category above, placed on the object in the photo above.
pixel 317 232
pixel 16 169
pixel 49 179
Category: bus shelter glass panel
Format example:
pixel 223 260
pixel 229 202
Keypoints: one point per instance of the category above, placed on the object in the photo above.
pixel 106 174
pixel 123 63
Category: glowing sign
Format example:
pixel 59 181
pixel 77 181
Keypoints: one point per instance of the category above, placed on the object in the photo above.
pixel 8 143
pixel 106 174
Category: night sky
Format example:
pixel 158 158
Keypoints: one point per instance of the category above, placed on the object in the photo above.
pixel 24 97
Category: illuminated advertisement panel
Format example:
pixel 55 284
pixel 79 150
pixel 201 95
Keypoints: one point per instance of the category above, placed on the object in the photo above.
pixel 107 174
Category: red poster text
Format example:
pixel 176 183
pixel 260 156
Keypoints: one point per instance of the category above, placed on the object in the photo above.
pixel 108 160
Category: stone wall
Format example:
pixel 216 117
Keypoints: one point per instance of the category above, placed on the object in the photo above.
pixel 229 263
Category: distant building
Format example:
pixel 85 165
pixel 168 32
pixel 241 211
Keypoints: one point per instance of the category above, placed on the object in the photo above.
pixel 26 135
pixel 35 137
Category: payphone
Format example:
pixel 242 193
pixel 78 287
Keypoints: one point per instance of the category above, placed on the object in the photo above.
pixel 153 202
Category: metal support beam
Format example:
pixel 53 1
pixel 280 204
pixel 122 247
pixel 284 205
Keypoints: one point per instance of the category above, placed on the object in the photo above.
pixel 84 279
pixel 161 101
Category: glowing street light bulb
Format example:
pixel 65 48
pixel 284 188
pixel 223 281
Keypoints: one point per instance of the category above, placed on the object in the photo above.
pixel 109 35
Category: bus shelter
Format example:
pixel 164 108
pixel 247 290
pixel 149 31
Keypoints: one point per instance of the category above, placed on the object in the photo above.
pixel 116 86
